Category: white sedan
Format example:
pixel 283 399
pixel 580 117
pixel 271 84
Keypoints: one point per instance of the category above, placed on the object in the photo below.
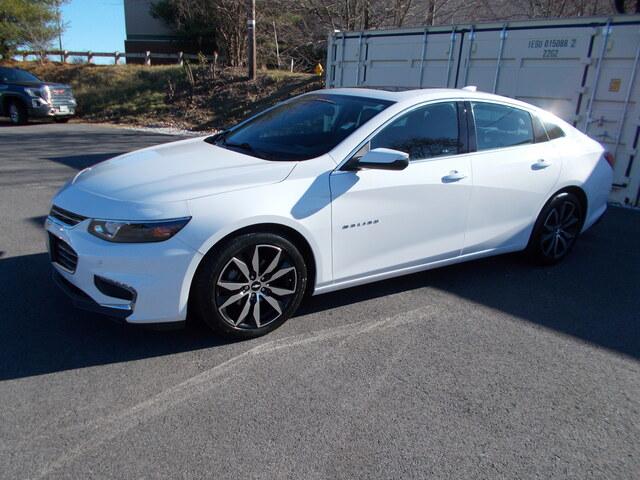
pixel 325 191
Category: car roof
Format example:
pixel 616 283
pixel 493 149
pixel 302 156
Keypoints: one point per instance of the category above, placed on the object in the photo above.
pixel 424 94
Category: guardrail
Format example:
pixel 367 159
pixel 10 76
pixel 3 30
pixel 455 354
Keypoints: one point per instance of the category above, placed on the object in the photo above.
pixel 147 57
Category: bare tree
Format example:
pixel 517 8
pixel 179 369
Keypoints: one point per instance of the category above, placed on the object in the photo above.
pixel 206 25
pixel 300 27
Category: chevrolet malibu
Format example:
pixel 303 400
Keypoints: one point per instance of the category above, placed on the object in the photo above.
pixel 325 191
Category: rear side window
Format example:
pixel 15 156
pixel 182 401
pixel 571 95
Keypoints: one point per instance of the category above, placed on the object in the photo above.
pixel 426 132
pixel 553 130
pixel 499 126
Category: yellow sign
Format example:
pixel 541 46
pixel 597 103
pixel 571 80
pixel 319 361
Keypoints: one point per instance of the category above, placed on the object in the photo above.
pixel 614 85
pixel 318 70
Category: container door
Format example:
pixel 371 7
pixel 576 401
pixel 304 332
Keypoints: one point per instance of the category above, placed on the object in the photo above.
pixel 394 61
pixel 541 66
pixel 344 57
pixel 610 113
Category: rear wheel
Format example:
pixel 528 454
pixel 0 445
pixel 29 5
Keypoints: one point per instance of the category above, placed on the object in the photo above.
pixel 17 113
pixel 251 286
pixel 556 229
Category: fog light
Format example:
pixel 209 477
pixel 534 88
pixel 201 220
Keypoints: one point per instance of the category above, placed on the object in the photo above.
pixel 114 289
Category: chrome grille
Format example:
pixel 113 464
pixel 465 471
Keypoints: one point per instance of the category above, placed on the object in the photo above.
pixel 65 216
pixel 62 253
pixel 61 96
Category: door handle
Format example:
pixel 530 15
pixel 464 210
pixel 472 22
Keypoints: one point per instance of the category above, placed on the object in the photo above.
pixel 540 164
pixel 454 176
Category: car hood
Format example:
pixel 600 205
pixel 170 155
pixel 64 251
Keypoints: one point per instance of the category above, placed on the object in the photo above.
pixel 177 171
pixel 41 84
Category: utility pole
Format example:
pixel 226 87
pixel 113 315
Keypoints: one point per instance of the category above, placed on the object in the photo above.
pixel 251 40
pixel 59 22
pixel 275 34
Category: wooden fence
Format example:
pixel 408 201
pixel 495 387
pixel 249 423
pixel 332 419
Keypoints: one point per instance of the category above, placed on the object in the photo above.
pixel 147 57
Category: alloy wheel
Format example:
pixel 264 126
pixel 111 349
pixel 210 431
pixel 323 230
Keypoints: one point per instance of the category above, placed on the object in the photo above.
pixel 255 286
pixel 561 226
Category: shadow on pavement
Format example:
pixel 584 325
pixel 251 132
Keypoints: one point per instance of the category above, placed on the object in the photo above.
pixel 593 296
pixel 41 332
pixel 80 162
pixel 38 221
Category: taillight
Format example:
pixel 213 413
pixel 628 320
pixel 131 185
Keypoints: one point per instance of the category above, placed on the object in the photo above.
pixel 608 156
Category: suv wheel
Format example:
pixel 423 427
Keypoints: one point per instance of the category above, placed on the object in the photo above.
pixel 17 113
pixel 251 286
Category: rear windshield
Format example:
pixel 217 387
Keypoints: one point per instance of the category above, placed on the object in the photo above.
pixel 302 128
pixel 10 75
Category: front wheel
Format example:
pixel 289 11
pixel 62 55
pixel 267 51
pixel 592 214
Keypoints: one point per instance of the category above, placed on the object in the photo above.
pixel 250 286
pixel 556 229
pixel 17 113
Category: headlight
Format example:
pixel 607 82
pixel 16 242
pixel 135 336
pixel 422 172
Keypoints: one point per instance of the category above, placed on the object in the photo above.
pixel 34 92
pixel 43 93
pixel 137 232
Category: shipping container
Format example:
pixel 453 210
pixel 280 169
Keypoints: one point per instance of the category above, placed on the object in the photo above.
pixel 584 70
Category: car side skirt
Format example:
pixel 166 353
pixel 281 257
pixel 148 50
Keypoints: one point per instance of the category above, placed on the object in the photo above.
pixel 398 272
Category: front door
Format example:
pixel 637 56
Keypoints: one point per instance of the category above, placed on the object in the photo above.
pixel 389 220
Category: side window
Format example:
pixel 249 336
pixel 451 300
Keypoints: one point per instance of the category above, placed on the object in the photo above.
pixel 539 132
pixel 426 132
pixel 499 126
pixel 553 130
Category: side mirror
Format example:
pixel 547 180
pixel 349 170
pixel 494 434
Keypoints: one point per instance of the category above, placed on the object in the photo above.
pixel 380 159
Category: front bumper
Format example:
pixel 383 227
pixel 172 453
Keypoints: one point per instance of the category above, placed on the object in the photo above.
pixel 38 109
pixel 85 302
pixel 160 274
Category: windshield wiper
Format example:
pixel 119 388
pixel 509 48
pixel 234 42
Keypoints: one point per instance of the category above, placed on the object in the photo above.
pixel 242 146
pixel 245 146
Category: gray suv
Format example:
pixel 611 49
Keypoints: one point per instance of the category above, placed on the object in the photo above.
pixel 24 96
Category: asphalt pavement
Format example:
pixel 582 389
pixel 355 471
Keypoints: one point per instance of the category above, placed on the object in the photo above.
pixel 490 369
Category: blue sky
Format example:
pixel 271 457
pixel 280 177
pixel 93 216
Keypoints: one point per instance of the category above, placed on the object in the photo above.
pixel 96 25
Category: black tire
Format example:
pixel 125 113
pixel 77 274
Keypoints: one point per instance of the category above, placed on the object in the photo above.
pixel 221 279
pixel 61 119
pixel 17 112
pixel 556 229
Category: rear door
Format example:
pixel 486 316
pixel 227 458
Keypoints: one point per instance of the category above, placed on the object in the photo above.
pixel 514 171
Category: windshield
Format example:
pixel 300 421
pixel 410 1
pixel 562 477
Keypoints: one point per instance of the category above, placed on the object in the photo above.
pixel 11 75
pixel 302 128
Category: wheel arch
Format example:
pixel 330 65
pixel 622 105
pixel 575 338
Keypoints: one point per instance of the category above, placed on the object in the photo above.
pixel 9 97
pixel 286 231
pixel 578 192
pixel 573 189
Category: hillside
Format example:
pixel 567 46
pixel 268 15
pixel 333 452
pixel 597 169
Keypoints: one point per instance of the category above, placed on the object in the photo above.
pixel 193 97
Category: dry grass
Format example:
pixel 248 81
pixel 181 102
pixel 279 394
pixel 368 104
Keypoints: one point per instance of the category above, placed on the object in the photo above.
pixel 185 97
